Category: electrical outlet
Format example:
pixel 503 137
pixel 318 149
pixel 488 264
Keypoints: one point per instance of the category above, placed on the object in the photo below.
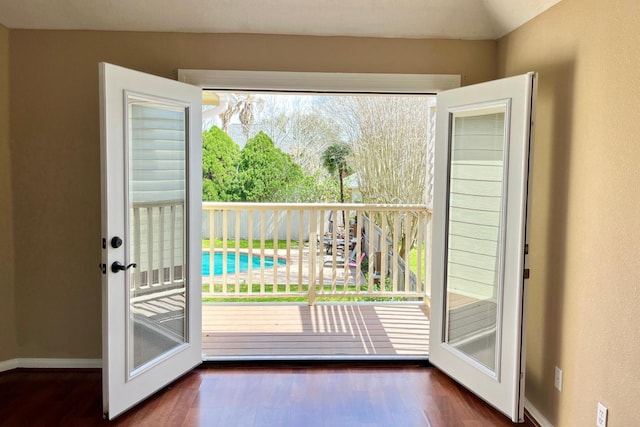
pixel 601 420
pixel 558 379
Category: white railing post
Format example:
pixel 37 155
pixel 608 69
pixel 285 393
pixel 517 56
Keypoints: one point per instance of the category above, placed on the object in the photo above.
pixel 262 257
pixel 212 242
pixel 407 251
pixel 359 251
pixel 396 252
pixel 321 248
pixel 274 239
pixel 372 252
pixel 172 244
pixel 150 247
pixel 137 239
pixel 225 250
pixel 428 258
pixel 250 217
pixel 287 283
pixel 313 250
pixel 237 248
pixel 301 252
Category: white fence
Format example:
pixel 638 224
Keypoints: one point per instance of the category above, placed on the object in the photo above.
pixel 250 221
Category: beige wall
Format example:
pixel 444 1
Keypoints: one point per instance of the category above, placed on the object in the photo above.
pixel 7 285
pixel 585 286
pixel 584 290
pixel 55 146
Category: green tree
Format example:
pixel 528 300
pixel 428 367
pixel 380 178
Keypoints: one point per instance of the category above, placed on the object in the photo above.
pixel 220 157
pixel 266 173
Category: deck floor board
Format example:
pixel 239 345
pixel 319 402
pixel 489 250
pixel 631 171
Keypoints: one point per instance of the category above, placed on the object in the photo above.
pixel 285 330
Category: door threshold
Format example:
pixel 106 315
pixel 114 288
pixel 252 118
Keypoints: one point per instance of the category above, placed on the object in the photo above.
pixel 422 361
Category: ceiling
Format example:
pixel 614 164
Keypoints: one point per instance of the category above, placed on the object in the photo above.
pixel 454 19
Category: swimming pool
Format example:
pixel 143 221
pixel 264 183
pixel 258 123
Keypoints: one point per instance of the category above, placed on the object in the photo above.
pixel 231 262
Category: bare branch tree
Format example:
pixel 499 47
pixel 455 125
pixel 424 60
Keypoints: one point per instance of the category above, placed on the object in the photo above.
pixel 389 137
pixel 226 115
pixel 246 106
pixel 300 130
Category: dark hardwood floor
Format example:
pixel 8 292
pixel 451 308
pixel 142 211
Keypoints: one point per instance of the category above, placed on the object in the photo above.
pixel 254 396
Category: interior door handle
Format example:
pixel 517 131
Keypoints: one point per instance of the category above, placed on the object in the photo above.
pixel 116 266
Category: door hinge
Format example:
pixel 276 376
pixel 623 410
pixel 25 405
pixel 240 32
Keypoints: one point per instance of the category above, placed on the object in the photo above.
pixel 526 249
pixel 103 267
pixel 526 273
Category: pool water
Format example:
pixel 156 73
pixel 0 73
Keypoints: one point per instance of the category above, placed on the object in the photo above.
pixel 231 262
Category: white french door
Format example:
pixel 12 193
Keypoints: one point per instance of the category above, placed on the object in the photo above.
pixel 479 264
pixel 151 208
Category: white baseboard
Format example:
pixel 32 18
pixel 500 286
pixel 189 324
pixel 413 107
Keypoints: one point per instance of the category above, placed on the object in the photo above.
pixel 7 365
pixel 536 415
pixel 36 363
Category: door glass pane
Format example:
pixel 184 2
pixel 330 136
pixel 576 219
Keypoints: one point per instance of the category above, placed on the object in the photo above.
pixel 156 242
pixel 475 233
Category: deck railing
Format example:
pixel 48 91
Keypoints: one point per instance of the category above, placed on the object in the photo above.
pixel 311 251
pixel 157 235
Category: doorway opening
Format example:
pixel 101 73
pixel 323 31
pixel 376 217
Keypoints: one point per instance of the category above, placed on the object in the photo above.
pixel 481 162
pixel 330 195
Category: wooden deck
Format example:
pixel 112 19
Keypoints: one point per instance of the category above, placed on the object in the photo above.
pixel 268 330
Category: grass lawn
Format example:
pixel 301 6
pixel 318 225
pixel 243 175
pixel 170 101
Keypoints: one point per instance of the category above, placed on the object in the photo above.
pixel 413 261
pixel 255 288
pixel 244 244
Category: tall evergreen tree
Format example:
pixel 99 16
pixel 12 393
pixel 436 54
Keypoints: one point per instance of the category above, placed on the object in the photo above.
pixel 266 173
pixel 220 157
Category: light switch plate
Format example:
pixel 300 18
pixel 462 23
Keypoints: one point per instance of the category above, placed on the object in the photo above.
pixel 558 379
